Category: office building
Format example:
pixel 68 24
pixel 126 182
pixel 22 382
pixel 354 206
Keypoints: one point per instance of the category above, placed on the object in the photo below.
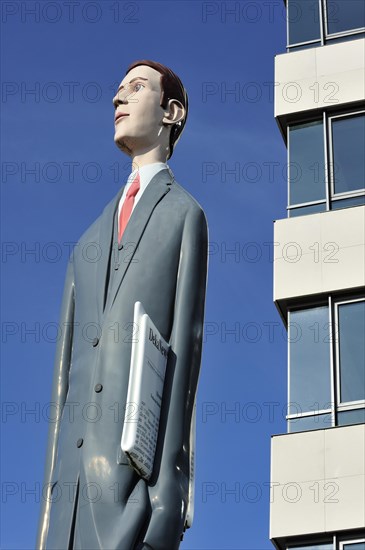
pixel 318 467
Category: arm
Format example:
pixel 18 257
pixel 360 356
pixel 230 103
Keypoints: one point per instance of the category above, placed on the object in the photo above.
pixel 59 392
pixel 168 490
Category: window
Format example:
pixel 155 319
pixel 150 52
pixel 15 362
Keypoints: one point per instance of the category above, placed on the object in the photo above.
pixel 326 365
pixel 326 168
pixel 355 543
pixel 353 546
pixel 317 22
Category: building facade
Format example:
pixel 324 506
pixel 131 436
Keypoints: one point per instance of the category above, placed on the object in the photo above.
pixel 318 467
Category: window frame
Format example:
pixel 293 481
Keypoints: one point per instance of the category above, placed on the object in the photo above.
pixel 325 36
pixel 329 180
pixel 336 406
pixel 331 161
pixel 337 542
pixel 333 35
pixel 346 405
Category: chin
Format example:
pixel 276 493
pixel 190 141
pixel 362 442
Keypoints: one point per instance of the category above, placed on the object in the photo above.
pixel 122 145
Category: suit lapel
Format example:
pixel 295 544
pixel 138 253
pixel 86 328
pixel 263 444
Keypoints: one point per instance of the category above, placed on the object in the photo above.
pixel 106 243
pixel 153 194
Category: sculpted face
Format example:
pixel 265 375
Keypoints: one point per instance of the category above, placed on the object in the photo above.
pixel 139 118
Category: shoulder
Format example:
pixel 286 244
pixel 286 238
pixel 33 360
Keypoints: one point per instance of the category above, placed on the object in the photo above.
pixel 186 202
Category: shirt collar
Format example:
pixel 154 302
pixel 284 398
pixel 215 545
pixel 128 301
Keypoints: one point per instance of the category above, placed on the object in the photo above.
pixel 146 173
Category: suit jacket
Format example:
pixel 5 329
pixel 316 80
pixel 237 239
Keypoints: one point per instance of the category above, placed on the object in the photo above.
pixel 93 498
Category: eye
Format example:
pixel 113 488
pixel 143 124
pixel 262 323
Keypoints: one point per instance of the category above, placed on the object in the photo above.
pixel 137 86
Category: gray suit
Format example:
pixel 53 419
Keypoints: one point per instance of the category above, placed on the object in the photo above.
pixel 96 500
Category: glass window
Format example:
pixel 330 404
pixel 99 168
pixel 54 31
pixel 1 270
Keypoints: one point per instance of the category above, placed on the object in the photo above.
pixel 351 344
pixel 311 187
pixel 348 142
pixel 347 203
pixel 326 546
pixel 315 422
pixel 303 21
pixel 306 163
pixel 345 15
pixel 309 360
pixel 356 416
pixel 354 546
pixel 305 210
pixel 314 403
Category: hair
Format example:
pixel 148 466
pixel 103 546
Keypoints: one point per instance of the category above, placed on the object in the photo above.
pixel 171 88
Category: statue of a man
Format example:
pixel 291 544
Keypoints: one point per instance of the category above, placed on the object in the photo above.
pixel 152 243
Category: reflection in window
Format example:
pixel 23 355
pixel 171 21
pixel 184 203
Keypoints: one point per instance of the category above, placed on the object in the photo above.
pixel 326 389
pixel 306 163
pixel 309 360
pixel 312 188
pixel 345 15
pixel 303 21
pixel 354 546
pixel 346 418
pixel 315 422
pixel 326 546
pixel 336 17
pixel 351 321
pixel 348 138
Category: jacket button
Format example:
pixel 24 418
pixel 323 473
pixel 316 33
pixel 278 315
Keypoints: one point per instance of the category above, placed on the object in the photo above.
pixel 79 443
pixel 98 388
pixel 95 342
pixel 116 267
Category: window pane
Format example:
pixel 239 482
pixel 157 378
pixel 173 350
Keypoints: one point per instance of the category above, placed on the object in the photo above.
pixel 351 320
pixel 305 210
pixel 327 546
pixel 316 422
pixel 303 18
pixel 354 546
pixel 346 203
pixel 309 360
pixel 348 137
pixel 356 416
pixel 306 163
pixel 345 15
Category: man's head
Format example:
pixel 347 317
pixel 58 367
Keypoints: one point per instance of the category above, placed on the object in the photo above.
pixel 151 107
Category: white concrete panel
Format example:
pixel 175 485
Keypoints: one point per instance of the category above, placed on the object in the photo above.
pixel 307 449
pixel 319 77
pixel 319 253
pixel 317 498
pixel 296 279
pixel 349 269
pixel 290 231
pixel 349 510
pixel 295 509
pixel 340 460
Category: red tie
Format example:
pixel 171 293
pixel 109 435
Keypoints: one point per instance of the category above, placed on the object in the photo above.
pixel 126 210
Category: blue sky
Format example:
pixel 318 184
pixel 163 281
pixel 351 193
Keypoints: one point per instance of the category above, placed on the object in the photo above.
pixel 60 167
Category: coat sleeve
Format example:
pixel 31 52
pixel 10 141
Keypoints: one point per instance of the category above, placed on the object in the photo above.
pixel 59 392
pixel 168 488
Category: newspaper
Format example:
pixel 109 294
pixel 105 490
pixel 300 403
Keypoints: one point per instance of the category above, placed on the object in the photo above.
pixel 144 398
pixel 191 497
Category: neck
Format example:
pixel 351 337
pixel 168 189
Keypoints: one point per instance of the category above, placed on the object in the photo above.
pixel 148 156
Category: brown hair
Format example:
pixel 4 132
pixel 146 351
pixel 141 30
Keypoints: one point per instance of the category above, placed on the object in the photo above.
pixel 171 88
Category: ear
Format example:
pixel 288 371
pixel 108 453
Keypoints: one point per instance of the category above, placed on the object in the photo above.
pixel 174 112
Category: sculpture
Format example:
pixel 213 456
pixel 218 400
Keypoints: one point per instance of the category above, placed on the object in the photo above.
pixel 95 499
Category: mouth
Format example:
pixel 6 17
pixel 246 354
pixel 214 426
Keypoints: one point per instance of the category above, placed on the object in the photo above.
pixel 119 116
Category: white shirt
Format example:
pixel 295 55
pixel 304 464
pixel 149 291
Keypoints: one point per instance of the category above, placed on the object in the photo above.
pixel 146 173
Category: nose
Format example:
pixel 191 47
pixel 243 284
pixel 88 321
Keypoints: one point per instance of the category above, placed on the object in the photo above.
pixel 119 98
